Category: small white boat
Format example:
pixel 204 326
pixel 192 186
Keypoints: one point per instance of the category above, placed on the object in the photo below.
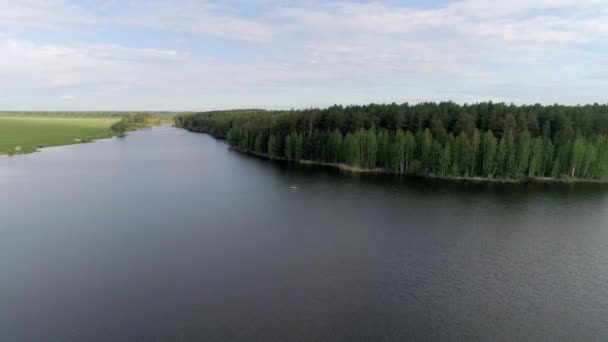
pixel 293 187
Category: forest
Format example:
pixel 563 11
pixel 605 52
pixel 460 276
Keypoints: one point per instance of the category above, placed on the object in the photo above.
pixel 484 140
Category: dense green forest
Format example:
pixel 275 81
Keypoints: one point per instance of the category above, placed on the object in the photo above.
pixel 489 140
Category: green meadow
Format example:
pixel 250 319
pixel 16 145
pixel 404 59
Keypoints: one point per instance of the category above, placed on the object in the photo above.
pixel 25 134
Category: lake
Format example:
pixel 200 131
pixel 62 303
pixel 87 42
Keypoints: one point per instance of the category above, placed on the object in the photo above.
pixel 167 235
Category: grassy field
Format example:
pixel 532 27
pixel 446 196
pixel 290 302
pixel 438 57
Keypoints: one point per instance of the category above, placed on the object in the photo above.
pixel 24 134
pixel 163 116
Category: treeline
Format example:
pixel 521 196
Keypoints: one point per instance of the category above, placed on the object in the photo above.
pixel 133 122
pixel 444 139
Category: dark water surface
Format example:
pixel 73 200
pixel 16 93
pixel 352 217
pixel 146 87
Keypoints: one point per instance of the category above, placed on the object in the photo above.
pixel 170 236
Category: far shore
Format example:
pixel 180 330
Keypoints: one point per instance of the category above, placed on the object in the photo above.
pixel 29 134
pixel 379 170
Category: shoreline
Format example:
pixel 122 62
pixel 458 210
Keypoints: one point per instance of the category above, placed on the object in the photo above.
pixel 40 148
pixel 462 179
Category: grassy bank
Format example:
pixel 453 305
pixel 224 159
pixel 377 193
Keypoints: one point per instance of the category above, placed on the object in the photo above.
pixel 165 116
pixel 27 134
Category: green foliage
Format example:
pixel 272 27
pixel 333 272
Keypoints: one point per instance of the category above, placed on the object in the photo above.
pixel 482 140
pixel 333 147
pixel 523 153
pixel 120 127
pixel 351 151
pixel 274 147
pixel 294 146
pixel 488 153
pixel 133 122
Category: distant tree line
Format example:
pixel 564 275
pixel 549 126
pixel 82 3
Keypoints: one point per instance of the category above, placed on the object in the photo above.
pixel 490 140
pixel 133 122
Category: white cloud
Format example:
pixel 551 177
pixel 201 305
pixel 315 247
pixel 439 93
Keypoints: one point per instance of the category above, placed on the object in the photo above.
pixel 301 54
pixel 484 8
pixel 43 13
pixel 115 77
pixel 200 18
pixel 470 18
pixel 356 17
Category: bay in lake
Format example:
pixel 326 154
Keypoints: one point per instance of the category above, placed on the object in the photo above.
pixel 167 235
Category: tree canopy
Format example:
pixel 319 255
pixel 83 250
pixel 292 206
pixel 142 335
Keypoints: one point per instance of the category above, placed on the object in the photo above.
pixel 491 140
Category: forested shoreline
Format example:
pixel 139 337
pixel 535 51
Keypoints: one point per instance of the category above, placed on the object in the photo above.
pixel 134 122
pixel 492 141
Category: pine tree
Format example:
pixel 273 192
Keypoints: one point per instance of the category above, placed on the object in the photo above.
pixel 298 146
pixel 501 158
pixel 523 153
pixel 397 152
pixel 409 150
pixel 290 147
pixel 511 161
pixel 350 150
pixel 273 147
pixel 446 158
pixel 536 157
pixel 488 153
pixel 577 155
pixel 589 161
pixel 548 151
pixel 334 147
pixel 475 145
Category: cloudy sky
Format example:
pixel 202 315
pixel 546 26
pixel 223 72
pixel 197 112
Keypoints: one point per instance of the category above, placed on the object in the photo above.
pixel 199 55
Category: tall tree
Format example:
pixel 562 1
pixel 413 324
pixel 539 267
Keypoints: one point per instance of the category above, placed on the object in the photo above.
pixel 577 154
pixel 523 153
pixel 485 139
pixel 489 146
pixel 536 157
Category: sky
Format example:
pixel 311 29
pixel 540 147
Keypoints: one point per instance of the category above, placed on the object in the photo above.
pixel 280 54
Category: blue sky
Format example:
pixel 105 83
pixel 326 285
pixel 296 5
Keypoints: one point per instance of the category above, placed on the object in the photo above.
pixel 200 55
